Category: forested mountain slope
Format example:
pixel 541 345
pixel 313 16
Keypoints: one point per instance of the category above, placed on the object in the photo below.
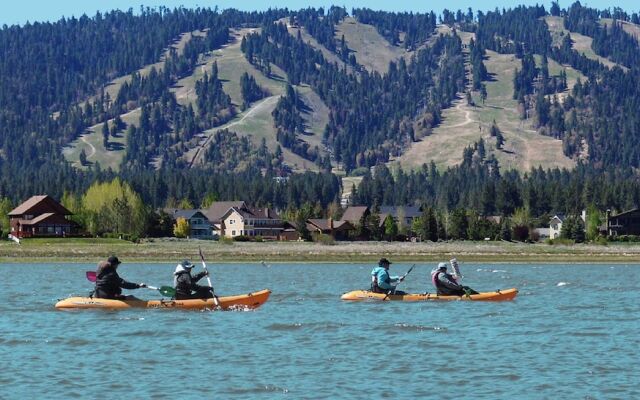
pixel 195 92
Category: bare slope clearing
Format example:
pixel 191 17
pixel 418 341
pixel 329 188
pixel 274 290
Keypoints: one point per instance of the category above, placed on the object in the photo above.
pixel 630 28
pixel 581 43
pixel 463 125
pixel 91 143
pixel 113 87
pixel 255 122
pixel 371 50
pixel 91 140
pixel 311 41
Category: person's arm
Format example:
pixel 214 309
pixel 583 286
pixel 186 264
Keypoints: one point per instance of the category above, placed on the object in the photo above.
pixel 199 276
pixel 130 285
pixel 448 283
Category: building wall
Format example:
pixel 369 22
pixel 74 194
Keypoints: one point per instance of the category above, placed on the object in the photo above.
pixel 554 230
pixel 234 225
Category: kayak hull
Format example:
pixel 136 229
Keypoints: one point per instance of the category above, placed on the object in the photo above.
pixel 242 301
pixel 364 295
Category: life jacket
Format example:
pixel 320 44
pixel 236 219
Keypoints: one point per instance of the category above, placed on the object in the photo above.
pixel 434 278
pixel 374 282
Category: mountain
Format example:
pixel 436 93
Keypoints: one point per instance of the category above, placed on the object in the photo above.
pixel 186 92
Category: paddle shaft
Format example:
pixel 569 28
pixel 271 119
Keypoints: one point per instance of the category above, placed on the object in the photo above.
pixel 399 282
pixel 204 266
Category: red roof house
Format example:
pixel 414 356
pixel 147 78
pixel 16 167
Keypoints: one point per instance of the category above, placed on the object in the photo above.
pixel 41 216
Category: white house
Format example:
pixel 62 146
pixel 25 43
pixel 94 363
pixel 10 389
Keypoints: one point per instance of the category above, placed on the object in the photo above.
pixel 246 221
pixel 555 225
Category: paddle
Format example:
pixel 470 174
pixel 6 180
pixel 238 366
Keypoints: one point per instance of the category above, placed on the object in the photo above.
pixel 204 266
pixel 399 282
pixel 167 291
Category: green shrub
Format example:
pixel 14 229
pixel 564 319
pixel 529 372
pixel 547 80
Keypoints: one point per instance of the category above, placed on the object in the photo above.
pixel 259 239
pixel 326 240
pixel 225 240
pixel 242 238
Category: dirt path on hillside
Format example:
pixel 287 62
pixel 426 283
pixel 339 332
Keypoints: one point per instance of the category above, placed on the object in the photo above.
pixel 259 106
pixel 93 149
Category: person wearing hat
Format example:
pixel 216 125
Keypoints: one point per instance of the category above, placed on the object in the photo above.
pixel 446 284
pixel 381 282
pixel 187 286
pixel 109 285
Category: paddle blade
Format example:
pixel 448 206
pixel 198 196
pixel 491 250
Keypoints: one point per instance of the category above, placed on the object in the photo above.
pixel 91 276
pixel 167 291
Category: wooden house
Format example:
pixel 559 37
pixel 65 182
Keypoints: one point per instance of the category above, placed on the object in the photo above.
pixel 41 216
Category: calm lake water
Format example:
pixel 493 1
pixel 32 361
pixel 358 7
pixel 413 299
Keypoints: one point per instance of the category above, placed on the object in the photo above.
pixel 573 332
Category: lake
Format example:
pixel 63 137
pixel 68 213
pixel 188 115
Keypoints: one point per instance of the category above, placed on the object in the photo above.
pixel 572 332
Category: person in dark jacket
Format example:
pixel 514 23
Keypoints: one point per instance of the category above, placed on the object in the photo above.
pixel 446 284
pixel 187 286
pixel 109 285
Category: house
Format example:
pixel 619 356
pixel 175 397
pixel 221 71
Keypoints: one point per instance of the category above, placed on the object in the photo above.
pixel 555 225
pixel 354 214
pixel 199 225
pixel 542 233
pixel 403 215
pixel 338 230
pixel 249 221
pixel 217 210
pixel 625 223
pixel 41 216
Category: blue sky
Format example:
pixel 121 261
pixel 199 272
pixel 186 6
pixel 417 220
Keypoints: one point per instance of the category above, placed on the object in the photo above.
pixel 18 12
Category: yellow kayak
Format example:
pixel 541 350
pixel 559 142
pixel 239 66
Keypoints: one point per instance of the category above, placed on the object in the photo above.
pixel 242 301
pixel 498 295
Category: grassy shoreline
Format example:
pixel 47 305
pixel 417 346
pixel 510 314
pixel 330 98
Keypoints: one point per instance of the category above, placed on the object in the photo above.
pixel 93 250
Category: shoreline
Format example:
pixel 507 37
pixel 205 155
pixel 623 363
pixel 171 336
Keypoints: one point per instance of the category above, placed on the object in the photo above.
pixel 76 250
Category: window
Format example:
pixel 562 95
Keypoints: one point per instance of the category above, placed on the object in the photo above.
pixel 233 233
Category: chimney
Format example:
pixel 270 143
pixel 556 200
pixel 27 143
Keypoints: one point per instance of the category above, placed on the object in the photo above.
pixel 584 216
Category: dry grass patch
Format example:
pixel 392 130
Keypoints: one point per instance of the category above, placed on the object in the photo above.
pixel 581 43
pixel 371 50
pixel 464 125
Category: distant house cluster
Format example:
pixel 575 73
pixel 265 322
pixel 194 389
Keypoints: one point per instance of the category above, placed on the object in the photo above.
pixel 42 216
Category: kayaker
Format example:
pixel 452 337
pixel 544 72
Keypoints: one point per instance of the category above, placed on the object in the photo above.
pixel 381 282
pixel 446 284
pixel 186 285
pixel 109 285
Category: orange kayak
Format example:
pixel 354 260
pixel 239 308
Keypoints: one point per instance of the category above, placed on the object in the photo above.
pixel 242 301
pixel 498 295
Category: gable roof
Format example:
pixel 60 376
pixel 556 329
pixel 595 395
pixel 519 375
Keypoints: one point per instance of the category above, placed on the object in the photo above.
pixel 253 213
pixel 186 214
pixel 218 209
pixel 34 201
pixel 48 217
pixel 559 217
pixel 633 210
pixel 324 225
pixel 353 214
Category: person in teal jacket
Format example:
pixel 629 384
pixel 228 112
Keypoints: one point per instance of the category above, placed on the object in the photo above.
pixel 381 282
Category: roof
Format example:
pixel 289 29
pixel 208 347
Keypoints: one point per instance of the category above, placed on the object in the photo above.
pixel 34 201
pixel 559 217
pixel 46 216
pixel 353 214
pixel 218 209
pixel 633 210
pixel 409 211
pixel 323 224
pixel 253 213
pixel 186 214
